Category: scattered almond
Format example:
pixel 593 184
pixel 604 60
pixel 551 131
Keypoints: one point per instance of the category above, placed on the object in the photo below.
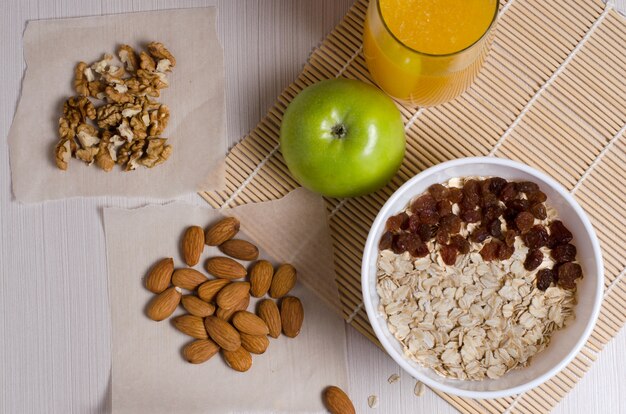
pixel 164 304
pixel 197 307
pixel 200 351
pixel 261 278
pixel 208 290
pixel 191 325
pixel 239 359
pixel 227 314
pixel 222 333
pixel 283 281
pixel 337 401
pixel 240 249
pixel 291 316
pixel 268 311
pixel 192 245
pixel 225 268
pixel 248 322
pixel 232 294
pixel 160 275
pixel 256 344
pixel 188 278
pixel 221 231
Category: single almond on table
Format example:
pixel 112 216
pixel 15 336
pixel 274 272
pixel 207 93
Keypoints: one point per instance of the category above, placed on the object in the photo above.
pixel 164 304
pixel 160 275
pixel 239 359
pixel 248 322
pixel 256 344
pixel 232 294
pixel 192 245
pixel 240 249
pixel 188 278
pixel 283 281
pixel 227 314
pixel 291 316
pixel 221 231
pixel 268 311
pixel 200 351
pixel 225 268
pixel 208 290
pixel 261 278
pixel 337 401
pixel 191 325
pixel 197 307
pixel 222 333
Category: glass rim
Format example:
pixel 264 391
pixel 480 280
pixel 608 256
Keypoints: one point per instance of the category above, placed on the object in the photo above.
pixel 487 30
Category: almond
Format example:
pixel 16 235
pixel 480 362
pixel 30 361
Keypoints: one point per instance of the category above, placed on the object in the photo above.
pixel 256 344
pixel 164 304
pixel 192 245
pixel 222 333
pixel 221 231
pixel 208 290
pixel 291 316
pixel 248 322
pixel 232 294
pixel 268 311
pixel 188 278
pixel 240 249
pixel 239 359
pixel 227 314
pixel 197 307
pixel 200 351
pixel 261 278
pixel 225 268
pixel 160 275
pixel 283 281
pixel 191 325
pixel 337 401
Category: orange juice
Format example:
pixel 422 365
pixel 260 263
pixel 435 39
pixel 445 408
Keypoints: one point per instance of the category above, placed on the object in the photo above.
pixel 426 52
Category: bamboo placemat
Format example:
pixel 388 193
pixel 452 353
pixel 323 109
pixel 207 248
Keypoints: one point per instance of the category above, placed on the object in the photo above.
pixel 552 94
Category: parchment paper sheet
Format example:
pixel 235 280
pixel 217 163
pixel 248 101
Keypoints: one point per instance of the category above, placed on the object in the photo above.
pixel 149 373
pixel 195 96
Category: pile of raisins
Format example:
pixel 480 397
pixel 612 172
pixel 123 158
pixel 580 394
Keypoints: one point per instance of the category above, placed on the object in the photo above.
pixel 486 202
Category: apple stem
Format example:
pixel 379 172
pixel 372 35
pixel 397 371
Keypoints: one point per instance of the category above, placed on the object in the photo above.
pixel 339 131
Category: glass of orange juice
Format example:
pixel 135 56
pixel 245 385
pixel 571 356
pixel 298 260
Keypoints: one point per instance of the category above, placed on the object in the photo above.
pixel 427 52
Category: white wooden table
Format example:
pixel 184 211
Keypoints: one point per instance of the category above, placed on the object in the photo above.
pixel 54 315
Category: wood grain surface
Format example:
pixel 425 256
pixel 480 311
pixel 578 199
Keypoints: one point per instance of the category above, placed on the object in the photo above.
pixel 54 309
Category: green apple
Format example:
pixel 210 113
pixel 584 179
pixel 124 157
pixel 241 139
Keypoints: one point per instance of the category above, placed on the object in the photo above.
pixel 342 138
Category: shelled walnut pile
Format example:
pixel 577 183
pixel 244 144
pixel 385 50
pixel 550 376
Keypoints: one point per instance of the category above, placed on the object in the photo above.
pixel 125 129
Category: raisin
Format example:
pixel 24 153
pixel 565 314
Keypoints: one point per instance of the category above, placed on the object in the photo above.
pixel 524 221
pixel 414 222
pixel 455 195
pixel 471 190
pixel 494 228
pixel 490 251
pixel 539 211
pixel 509 237
pixel 429 217
pixel 442 236
pixel 564 253
pixel 424 203
pixel 559 233
pixel 424 231
pixel 420 251
pixel 399 244
pixel 489 199
pixel 439 192
pixel 536 237
pixel 484 186
pixel 451 223
pixel 407 242
pixel 568 273
pixel 509 192
pixel 468 203
pixel 527 187
pixel 518 204
pixel 471 216
pixel 492 212
pixel 544 278
pixel 448 254
pixel 444 208
pixel 537 197
pixel 505 252
pixel 460 243
pixel 386 241
pixel 479 235
pixel 398 222
pixel 496 185
pixel 533 259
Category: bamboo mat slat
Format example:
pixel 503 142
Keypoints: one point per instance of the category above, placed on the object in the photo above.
pixel 552 94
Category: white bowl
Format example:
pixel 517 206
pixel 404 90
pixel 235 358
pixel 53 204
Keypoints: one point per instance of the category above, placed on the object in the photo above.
pixel 565 344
